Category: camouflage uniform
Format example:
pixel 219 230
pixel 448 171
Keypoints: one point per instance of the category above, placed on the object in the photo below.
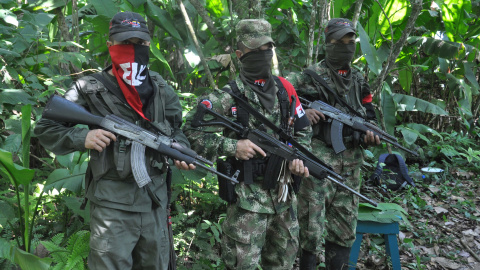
pixel 323 204
pixel 257 225
pixel 258 229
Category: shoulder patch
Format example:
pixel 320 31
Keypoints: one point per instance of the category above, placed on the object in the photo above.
pixel 207 103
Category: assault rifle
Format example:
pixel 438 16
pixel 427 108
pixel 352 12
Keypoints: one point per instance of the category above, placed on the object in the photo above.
pixel 63 110
pixel 339 119
pixel 270 144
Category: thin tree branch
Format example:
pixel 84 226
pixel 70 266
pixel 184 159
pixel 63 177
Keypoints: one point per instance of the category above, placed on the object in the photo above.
pixel 197 46
pixel 397 47
pixel 204 14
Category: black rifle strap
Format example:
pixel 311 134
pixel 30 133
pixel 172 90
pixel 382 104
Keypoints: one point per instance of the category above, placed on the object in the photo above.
pixel 243 117
pixel 283 135
pixel 110 86
pixel 342 102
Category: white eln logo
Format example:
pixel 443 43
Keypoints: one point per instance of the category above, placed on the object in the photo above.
pixel 135 79
pixel 300 111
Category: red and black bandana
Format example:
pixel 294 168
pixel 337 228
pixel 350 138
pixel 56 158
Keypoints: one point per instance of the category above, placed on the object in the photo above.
pixel 130 67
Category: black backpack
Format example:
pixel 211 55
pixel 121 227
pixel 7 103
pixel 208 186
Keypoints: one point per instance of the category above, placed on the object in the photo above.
pixel 394 174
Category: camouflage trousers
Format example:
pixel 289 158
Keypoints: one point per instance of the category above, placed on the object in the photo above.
pixel 325 206
pixel 251 239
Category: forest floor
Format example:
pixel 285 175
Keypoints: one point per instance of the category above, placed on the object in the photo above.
pixel 445 232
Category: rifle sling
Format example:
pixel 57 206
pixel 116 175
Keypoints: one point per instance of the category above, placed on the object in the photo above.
pixel 273 127
pixel 319 79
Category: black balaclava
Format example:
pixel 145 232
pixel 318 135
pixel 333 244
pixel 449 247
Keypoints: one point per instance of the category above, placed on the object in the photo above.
pixel 256 72
pixel 338 58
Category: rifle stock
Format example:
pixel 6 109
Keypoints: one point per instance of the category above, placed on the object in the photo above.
pixel 62 110
pixel 273 146
pixel 340 119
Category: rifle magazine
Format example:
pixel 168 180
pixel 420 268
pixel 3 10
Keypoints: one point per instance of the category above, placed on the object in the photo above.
pixel 138 164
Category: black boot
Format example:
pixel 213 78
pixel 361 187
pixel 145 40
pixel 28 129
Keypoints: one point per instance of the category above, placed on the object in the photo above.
pixel 308 260
pixel 336 256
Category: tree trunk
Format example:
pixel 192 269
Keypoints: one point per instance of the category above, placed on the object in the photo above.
pixel 311 32
pixel 356 13
pixel 197 45
pixel 323 18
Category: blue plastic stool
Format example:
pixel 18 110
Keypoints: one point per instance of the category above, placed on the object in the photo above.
pixel 389 231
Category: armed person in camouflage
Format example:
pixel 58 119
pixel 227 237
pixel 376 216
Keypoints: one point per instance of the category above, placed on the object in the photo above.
pixel 128 223
pixel 321 201
pixel 261 227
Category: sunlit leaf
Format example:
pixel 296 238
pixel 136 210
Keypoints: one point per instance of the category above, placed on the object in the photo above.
pixel 396 11
pixel 369 51
pixel 409 103
pixel 453 15
pixel 8 17
pixel 63 178
pixel 14 171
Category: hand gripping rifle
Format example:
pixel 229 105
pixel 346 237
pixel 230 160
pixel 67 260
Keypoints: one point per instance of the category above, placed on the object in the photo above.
pixel 63 110
pixel 316 167
pixel 339 119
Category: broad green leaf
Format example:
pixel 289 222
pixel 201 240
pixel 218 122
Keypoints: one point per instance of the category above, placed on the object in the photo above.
pixel 405 78
pixel 410 136
pixel 462 89
pixel 369 51
pixel 49 5
pixel 436 47
pixel 471 76
pixel 383 213
pixel 6 250
pixel 105 8
pixel 8 17
pixel 216 7
pixel 396 11
pixel 63 178
pixel 453 15
pixel 6 214
pixel 158 54
pixel 337 8
pixel 161 18
pixel 74 204
pixel 29 261
pixel 389 109
pixel 8 53
pixel 15 172
pixel 283 4
pixel 409 103
pixel 15 96
pixel 137 3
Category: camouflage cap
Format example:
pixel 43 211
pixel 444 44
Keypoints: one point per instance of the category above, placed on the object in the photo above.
pixel 254 33
pixel 337 28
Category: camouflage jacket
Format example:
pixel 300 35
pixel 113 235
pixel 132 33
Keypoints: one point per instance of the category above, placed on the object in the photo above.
pixel 359 96
pixel 207 142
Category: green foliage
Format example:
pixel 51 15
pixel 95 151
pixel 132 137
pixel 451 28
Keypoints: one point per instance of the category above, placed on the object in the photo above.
pixel 433 87
pixel 71 255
